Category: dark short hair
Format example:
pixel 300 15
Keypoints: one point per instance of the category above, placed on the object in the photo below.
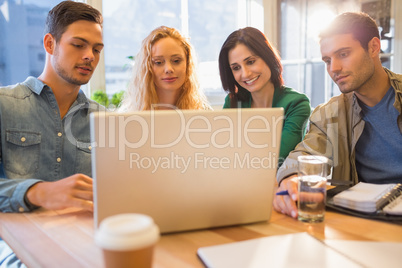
pixel 68 12
pixel 359 24
pixel 256 41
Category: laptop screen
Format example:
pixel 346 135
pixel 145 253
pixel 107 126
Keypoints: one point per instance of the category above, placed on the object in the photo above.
pixel 186 169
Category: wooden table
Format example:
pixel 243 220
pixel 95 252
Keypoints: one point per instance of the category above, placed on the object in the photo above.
pixel 65 238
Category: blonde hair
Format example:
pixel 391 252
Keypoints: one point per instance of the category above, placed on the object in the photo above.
pixel 141 92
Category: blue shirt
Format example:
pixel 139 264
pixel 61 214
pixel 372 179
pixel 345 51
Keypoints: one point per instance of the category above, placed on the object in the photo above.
pixel 36 144
pixel 379 149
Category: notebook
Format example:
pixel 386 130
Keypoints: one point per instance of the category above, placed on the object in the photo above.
pixel 186 169
pixel 371 254
pixel 291 250
pixel 370 198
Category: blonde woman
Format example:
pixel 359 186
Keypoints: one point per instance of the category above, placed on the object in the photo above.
pixel 164 75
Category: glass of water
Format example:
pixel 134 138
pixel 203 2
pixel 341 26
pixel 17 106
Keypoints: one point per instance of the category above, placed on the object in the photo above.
pixel 312 187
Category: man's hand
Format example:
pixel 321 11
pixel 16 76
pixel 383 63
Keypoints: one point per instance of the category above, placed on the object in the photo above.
pixel 286 204
pixel 74 191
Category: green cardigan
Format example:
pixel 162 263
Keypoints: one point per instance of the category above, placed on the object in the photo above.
pixel 297 111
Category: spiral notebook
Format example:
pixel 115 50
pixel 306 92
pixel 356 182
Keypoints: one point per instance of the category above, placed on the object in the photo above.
pixel 372 198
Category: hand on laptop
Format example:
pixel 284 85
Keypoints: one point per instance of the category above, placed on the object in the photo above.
pixel 286 204
pixel 73 191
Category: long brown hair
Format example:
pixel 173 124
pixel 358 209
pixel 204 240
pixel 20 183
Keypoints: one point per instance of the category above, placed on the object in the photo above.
pixel 256 41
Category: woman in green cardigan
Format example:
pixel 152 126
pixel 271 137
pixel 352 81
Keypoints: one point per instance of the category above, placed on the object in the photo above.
pixel 251 72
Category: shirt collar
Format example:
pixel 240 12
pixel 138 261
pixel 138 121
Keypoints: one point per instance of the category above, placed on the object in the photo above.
pixel 356 106
pixel 36 86
pixel 81 98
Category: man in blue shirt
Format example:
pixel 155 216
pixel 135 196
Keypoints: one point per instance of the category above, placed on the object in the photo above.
pixel 360 131
pixel 45 158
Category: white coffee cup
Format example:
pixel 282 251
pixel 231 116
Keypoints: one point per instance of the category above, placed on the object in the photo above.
pixel 127 240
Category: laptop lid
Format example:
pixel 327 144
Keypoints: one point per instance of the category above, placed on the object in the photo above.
pixel 186 169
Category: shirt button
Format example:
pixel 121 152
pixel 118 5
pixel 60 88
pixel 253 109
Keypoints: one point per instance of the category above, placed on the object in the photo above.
pixel 58 159
pixel 21 209
pixel 59 134
pixel 23 139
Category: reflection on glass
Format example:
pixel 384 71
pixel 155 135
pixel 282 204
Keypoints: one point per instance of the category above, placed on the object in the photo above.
pixel 301 21
pixel 127 23
pixel 21 39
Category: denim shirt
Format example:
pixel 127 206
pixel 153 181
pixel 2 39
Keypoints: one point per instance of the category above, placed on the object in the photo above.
pixel 36 144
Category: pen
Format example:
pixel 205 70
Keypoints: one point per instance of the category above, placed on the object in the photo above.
pixel 283 193
pixel 334 182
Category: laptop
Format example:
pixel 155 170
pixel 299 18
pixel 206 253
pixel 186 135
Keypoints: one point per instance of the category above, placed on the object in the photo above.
pixel 186 169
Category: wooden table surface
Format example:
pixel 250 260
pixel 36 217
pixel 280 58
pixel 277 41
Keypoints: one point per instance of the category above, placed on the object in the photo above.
pixel 65 238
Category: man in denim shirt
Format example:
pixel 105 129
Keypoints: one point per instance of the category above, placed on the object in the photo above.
pixel 45 158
